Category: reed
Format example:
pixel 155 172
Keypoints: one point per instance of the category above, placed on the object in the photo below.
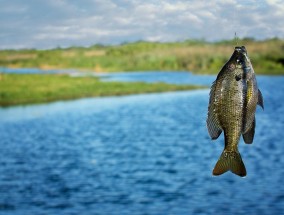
pixel 192 55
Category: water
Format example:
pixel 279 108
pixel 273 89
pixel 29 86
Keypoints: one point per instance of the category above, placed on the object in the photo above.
pixel 151 76
pixel 36 71
pixel 167 77
pixel 140 154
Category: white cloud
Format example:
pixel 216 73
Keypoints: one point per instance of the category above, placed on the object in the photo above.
pixel 47 24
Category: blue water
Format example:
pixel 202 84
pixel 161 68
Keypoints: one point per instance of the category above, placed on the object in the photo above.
pixel 151 76
pixel 167 77
pixel 140 154
pixel 36 71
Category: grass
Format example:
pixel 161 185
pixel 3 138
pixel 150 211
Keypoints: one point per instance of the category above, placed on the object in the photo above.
pixel 33 88
pixel 197 56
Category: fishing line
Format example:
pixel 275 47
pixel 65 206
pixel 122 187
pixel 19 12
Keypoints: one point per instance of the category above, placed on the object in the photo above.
pixel 235 25
pixel 236 39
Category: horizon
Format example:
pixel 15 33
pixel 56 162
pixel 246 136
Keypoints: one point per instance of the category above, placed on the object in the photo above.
pixel 196 41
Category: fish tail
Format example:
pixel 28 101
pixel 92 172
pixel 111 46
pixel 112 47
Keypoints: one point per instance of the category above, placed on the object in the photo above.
pixel 230 160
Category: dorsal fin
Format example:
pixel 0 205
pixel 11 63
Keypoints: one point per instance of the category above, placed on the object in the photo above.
pixel 248 136
pixel 260 99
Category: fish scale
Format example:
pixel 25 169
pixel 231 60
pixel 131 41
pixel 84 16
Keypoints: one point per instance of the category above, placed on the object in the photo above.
pixel 233 99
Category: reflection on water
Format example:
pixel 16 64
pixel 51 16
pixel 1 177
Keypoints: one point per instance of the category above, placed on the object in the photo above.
pixel 141 154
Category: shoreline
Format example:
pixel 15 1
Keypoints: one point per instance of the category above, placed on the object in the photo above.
pixel 98 73
pixel 33 89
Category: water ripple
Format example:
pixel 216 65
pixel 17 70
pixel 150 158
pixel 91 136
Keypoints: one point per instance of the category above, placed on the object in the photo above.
pixel 146 154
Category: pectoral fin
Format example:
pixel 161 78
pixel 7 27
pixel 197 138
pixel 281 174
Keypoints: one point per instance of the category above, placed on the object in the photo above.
pixel 249 135
pixel 214 129
pixel 213 125
pixel 260 99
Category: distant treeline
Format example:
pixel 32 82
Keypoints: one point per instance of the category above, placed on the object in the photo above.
pixel 197 56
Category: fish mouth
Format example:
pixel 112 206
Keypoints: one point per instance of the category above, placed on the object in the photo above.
pixel 241 49
pixel 241 58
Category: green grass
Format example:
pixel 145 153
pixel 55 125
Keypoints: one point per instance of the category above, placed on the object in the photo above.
pixel 197 56
pixel 26 89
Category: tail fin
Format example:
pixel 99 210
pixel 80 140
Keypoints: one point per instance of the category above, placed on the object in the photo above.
pixel 230 160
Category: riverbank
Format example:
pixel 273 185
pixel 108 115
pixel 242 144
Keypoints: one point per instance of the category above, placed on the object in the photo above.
pixel 197 56
pixel 18 89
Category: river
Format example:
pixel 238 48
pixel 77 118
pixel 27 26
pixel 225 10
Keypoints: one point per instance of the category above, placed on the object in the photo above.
pixel 139 154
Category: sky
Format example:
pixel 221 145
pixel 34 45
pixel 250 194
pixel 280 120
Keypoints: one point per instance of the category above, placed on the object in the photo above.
pixel 45 24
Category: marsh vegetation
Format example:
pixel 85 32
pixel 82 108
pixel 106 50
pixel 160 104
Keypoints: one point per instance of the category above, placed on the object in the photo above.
pixel 192 55
pixel 35 88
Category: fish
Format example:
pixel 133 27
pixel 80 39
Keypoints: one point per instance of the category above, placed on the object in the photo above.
pixel 233 99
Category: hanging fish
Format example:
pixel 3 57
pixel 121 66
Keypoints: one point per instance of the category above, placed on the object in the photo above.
pixel 234 96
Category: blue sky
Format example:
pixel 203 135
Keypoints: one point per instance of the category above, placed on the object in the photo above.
pixel 47 24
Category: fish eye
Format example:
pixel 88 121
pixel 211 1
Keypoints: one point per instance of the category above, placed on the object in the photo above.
pixel 239 61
